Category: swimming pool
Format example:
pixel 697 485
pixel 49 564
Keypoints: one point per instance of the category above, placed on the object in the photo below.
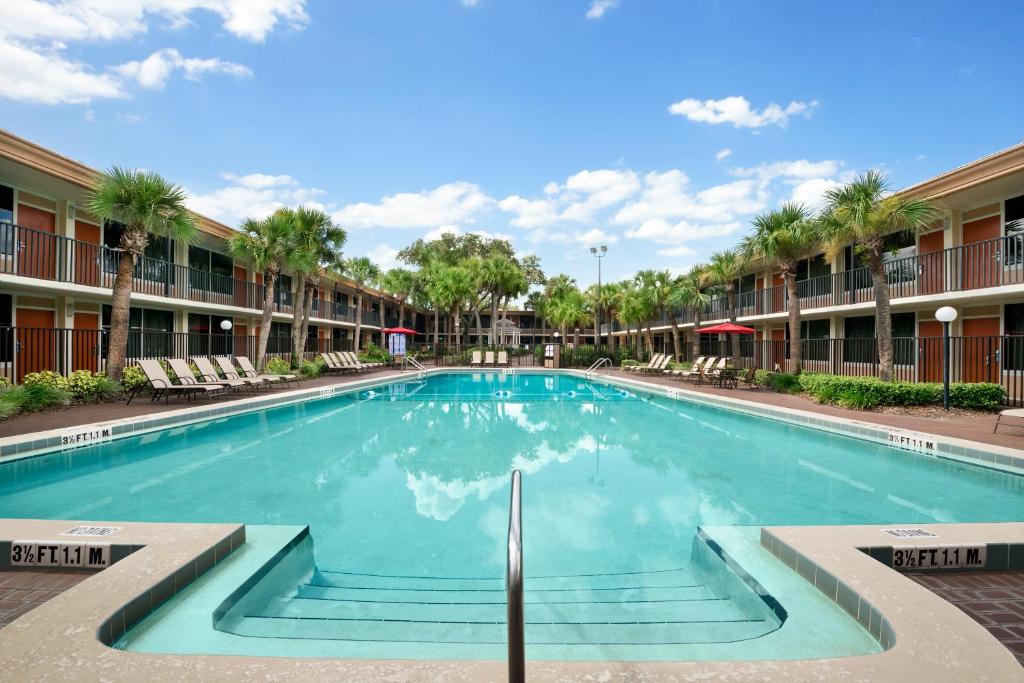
pixel 405 490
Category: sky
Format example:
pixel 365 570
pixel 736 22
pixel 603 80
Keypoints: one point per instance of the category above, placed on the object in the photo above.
pixel 656 127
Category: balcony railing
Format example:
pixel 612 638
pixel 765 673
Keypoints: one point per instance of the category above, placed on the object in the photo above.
pixel 46 256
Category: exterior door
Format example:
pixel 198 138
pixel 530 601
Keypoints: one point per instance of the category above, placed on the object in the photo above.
pixel 982 253
pixel 241 344
pixel 980 354
pixel 86 254
pixel 929 350
pixel 85 342
pixel 37 246
pixel 778 294
pixel 242 292
pixel 930 278
pixel 778 354
pixel 35 342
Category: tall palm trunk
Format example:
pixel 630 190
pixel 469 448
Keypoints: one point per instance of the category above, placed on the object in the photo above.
pixel 401 314
pixel 437 328
pixel 576 337
pixel 883 319
pixel 359 318
pixel 795 347
pixel 120 308
pixel 298 310
pixel 695 342
pixel 479 331
pixel 649 337
pixel 268 314
pixel 306 315
pixel 494 320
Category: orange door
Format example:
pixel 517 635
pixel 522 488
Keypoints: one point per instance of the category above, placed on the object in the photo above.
pixel 36 343
pixel 37 248
pixel 85 341
pixel 980 355
pixel 86 254
pixel 242 297
pixel 930 278
pixel 241 333
pixel 778 349
pixel 929 350
pixel 981 253
pixel 778 295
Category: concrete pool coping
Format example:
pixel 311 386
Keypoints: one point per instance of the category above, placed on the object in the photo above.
pixel 926 637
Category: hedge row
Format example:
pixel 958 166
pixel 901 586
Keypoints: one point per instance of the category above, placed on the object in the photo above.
pixel 870 392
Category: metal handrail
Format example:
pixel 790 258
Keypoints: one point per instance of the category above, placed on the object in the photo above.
pixel 605 360
pixel 514 585
pixel 416 364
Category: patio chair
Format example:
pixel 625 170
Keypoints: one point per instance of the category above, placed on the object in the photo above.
pixel 331 364
pixel 352 360
pixel 489 358
pixel 656 358
pixel 701 371
pixel 210 374
pixel 160 383
pixel 250 371
pixel 656 368
pixel 346 362
pixel 185 376
pixel 227 368
pixel 476 360
pixel 712 372
pixel 749 378
pixel 1012 413
pixel 502 359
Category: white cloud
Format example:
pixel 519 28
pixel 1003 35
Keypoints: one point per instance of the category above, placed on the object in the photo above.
pixel 34 35
pixel 552 188
pixel 599 7
pixel 801 168
pixel 131 119
pixel 451 203
pixel 384 256
pixel 591 191
pixel 665 232
pixel 812 192
pixel 681 250
pixel 152 73
pixel 666 196
pixel 254 195
pixel 456 230
pixel 737 111
pixel 584 238
pixel 530 213
pixel 723 153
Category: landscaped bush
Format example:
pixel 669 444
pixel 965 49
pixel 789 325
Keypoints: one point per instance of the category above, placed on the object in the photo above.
pixel 92 385
pixel 784 383
pixel 980 396
pixel 278 366
pixel 47 378
pixel 375 354
pixel 31 397
pixel 132 378
pixel 629 363
pixel 309 369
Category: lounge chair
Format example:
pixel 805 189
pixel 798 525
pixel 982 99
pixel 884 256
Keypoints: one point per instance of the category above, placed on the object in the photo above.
pixel 683 373
pixel 249 371
pixel 1012 413
pixel 656 358
pixel 750 378
pixel 163 386
pixel 210 374
pixel 702 370
pixel 489 358
pixel 712 372
pixel 336 362
pixel 656 368
pixel 227 368
pixel 476 360
pixel 352 361
pixel 185 376
pixel 502 359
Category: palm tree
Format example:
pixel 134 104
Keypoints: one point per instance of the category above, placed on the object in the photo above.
pixel 400 283
pixel 316 246
pixel 430 278
pixel 783 238
pixel 363 272
pixel 647 302
pixel 659 285
pixel 724 269
pixel 264 244
pixel 569 311
pixel 453 288
pixel 690 293
pixel 864 213
pixel 145 204
pixel 609 304
pixel 631 310
pixel 502 277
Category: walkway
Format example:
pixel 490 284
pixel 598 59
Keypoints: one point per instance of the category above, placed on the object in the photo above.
pixel 22 591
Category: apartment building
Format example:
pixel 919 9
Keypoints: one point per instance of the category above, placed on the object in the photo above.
pixel 57 265
pixel 973 261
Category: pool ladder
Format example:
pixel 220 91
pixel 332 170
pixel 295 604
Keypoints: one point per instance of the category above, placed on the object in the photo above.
pixel 514 585
pixel 597 364
pixel 421 371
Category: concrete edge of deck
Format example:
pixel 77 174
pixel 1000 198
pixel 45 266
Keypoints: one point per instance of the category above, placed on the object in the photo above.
pixel 67 637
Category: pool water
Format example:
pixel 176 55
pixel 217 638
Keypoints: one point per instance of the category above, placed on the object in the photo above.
pixel 405 490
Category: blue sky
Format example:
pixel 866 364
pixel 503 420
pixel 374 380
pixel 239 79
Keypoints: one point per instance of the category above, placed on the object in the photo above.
pixel 657 127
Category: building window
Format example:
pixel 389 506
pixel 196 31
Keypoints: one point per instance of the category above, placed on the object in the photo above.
pixel 1013 228
pixel 6 219
pixel 157 256
pixel 206 337
pixel 6 332
pixel 813 277
pixel 860 345
pixel 210 271
pixel 1013 342
pixel 150 332
pixel 283 291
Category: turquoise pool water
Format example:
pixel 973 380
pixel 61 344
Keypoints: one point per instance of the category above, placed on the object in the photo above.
pixel 405 490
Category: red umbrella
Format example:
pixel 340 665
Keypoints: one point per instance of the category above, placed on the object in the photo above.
pixel 399 330
pixel 726 328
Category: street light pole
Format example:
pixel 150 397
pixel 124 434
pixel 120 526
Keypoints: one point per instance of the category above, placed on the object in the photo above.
pixel 945 315
pixel 597 313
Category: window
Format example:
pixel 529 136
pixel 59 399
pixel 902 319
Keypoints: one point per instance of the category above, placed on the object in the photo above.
pixel 860 345
pixel 812 277
pixel 815 337
pixel 150 332
pixel 280 340
pixel 206 337
pixel 6 217
pixel 6 333
pixel 1013 342
pixel 1013 211
pixel 210 271
pixel 283 291
pixel 159 252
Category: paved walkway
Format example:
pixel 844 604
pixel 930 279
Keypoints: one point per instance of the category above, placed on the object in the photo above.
pixel 21 591
pixel 976 428
pixel 993 599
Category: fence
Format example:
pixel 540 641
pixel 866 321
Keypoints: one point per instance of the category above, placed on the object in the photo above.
pixel 24 350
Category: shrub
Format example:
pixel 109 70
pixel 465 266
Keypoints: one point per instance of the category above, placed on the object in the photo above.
pixel 784 383
pixel 980 396
pixel 309 369
pixel 132 378
pixel 629 363
pixel 374 354
pixel 33 397
pixel 91 385
pixel 278 366
pixel 762 377
pixel 47 378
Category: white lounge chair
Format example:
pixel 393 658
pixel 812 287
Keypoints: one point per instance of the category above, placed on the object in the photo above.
pixel 683 373
pixel 476 360
pixel 489 358
pixel 249 371
pixel 1012 413
pixel 502 359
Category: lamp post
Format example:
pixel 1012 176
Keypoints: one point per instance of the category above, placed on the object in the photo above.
pixel 598 253
pixel 945 315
